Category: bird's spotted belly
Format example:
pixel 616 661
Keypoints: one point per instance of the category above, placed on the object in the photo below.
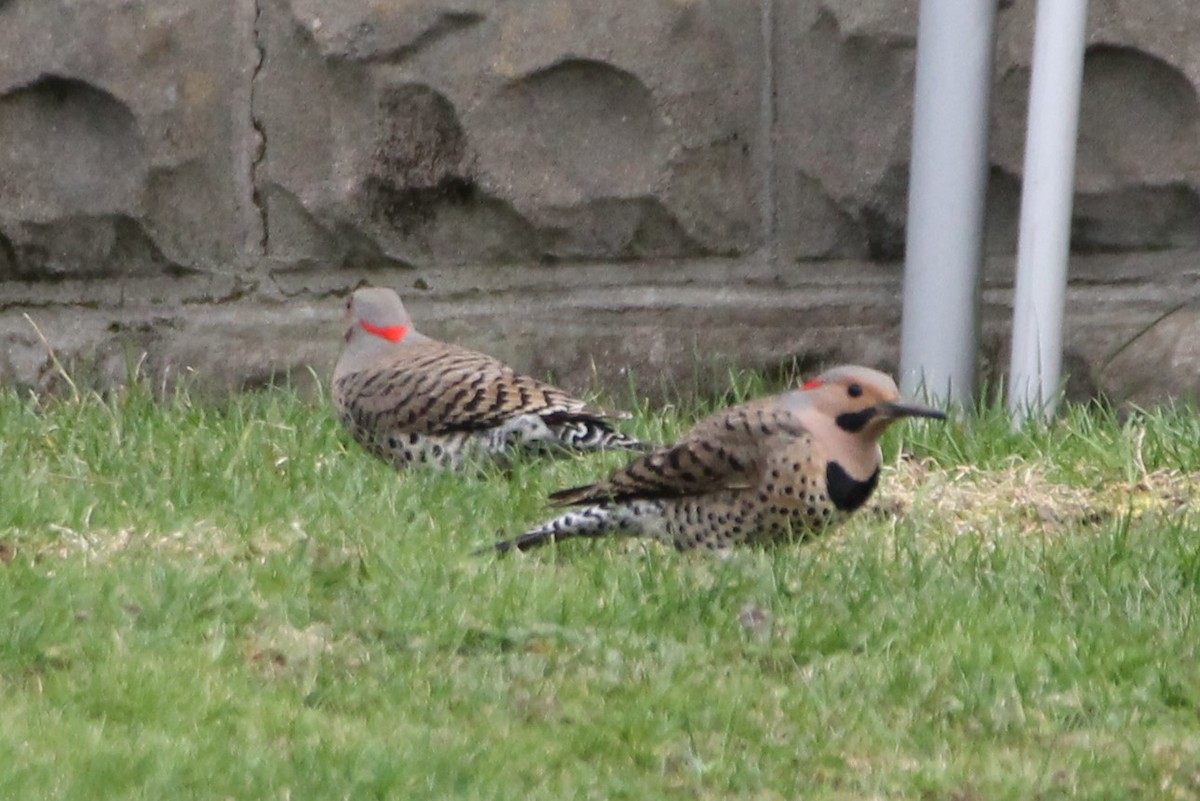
pixel 454 450
pixel 782 523
pixel 410 449
pixel 719 524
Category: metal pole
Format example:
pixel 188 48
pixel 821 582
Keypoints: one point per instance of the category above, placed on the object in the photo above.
pixel 1043 250
pixel 947 196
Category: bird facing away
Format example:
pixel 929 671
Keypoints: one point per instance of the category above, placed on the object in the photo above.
pixel 410 399
pixel 768 470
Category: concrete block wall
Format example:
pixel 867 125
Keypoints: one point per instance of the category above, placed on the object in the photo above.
pixel 665 186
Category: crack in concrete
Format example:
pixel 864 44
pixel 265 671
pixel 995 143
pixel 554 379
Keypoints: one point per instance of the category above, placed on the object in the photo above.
pixel 25 305
pixel 241 289
pixel 768 114
pixel 447 24
pixel 260 146
pixel 313 295
pixel 1144 330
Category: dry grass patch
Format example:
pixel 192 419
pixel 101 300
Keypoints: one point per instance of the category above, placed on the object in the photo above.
pixel 1022 499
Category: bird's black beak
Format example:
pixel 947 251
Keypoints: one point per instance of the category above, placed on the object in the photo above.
pixel 893 411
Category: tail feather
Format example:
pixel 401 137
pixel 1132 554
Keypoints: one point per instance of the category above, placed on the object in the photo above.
pixel 572 495
pixel 618 441
pixel 594 434
pixel 591 521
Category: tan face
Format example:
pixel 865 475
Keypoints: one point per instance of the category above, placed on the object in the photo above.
pixel 860 399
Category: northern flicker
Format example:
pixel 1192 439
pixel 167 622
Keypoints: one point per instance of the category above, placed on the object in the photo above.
pixel 771 469
pixel 410 399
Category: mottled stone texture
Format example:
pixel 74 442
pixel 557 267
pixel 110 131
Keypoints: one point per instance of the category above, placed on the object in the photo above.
pixel 509 132
pixel 120 139
pixel 670 186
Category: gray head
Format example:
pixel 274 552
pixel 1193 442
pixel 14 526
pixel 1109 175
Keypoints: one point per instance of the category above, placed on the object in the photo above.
pixel 376 325
pixel 376 313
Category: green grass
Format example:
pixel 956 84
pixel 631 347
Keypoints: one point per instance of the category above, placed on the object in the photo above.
pixel 231 601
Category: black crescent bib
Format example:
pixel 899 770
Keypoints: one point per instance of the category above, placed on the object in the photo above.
pixel 848 493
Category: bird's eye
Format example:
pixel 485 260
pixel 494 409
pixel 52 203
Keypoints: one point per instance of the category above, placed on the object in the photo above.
pixel 854 390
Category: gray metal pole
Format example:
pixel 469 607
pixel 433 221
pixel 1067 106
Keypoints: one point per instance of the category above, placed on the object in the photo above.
pixel 947 195
pixel 1043 250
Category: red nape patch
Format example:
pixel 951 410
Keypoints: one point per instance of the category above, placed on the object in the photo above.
pixel 816 382
pixel 392 333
